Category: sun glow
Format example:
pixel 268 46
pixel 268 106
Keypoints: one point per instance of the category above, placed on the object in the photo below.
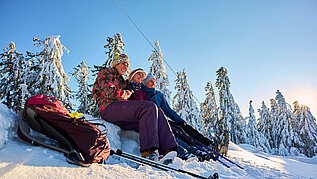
pixel 306 99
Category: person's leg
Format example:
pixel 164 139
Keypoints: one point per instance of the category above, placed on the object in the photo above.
pixel 181 151
pixel 127 114
pixel 167 139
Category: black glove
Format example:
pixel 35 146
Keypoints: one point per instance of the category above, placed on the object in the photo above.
pixel 182 123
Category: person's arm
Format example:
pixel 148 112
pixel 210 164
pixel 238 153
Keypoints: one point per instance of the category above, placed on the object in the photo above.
pixel 168 111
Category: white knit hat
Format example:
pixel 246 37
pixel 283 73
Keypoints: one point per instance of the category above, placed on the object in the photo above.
pixel 134 72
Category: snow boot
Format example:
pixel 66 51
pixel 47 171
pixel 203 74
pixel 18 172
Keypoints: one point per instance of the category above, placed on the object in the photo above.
pixel 168 157
pixel 151 155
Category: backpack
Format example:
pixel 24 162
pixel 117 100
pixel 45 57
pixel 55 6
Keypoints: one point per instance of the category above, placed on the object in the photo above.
pixel 82 142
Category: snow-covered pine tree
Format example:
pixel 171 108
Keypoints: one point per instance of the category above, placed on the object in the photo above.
pixel 209 111
pixel 285 138
pixel 229 113
pixel 253 136
pixel 84 94
pixel 158 68
pixel 265 122
pixel 49 77
pixel 114 45
pixel 307 128
pixel 183 102
pixel 13 88
pixel 273 126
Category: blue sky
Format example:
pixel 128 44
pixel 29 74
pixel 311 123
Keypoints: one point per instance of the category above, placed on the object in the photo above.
pixel 265 45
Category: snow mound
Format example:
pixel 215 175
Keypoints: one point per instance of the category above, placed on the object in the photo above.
pixel 7 123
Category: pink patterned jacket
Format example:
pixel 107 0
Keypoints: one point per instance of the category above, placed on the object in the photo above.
pixel 108 88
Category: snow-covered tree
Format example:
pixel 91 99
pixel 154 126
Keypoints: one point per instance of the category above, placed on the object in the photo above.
pixel 49 77
pixel 184 103
pixel 253 136
pixel 158 68
pixel 13 88
pixel 229 113
pixel 84 94
pixel 285 139
pixel 209 111
pixel 265 122
pixel 114 45
pixel 307 128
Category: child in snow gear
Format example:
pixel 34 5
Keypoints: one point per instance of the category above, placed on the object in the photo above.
pixel 142 116
pixel 82 142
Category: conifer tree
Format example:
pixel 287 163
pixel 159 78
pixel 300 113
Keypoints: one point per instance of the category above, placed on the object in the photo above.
pixel 229 113
pixel 285 138
pixel 264 122
pixel 84 94
pixel 184 103
pixel 209 111
pixel 13 88
pixel 307 129
pixel 114 45
pixel 158 68
pixel 49 77
pixel 253 136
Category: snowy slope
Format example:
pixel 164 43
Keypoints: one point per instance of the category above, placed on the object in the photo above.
pixel 21 160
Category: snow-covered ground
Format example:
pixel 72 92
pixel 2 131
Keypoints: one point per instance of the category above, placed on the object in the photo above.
pixel 21 160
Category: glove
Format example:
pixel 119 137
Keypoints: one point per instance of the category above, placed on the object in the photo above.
pixel 182 123
pixel 126 94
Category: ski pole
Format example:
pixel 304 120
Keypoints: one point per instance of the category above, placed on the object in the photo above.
pixel 221 156
pixel 197 143
pixel 142 160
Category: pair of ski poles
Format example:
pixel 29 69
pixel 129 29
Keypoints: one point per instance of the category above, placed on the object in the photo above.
pixel 158 165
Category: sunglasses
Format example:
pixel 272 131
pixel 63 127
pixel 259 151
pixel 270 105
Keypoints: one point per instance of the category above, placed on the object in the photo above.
pixel 150 74
pixel 121 55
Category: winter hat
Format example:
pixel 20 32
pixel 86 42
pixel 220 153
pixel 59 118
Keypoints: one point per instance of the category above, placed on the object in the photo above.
pixel 134 72
pixel 148 78
pixel 118 58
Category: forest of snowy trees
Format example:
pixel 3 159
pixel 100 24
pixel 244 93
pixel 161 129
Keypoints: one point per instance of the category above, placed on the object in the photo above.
pixel 281 128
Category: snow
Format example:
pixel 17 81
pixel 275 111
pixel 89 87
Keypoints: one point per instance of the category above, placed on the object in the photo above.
pixel 18 159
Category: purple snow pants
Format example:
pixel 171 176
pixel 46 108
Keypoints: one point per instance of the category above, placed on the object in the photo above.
pixel 144 117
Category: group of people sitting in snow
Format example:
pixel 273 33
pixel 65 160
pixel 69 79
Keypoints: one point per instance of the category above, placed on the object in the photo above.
pixel 134 104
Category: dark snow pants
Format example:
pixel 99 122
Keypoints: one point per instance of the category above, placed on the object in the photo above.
pixel 147 119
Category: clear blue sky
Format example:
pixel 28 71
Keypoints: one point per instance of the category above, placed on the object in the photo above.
pixel 265 45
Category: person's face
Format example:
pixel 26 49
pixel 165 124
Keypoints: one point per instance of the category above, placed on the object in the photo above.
pixel 138 78
pixel 122 67
pixel 151 83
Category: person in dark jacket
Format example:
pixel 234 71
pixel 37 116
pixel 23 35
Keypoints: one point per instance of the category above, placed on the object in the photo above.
pixel 156 137
pixel 158 98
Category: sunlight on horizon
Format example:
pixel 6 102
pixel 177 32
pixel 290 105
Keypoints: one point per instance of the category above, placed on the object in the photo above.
pixel 306 97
